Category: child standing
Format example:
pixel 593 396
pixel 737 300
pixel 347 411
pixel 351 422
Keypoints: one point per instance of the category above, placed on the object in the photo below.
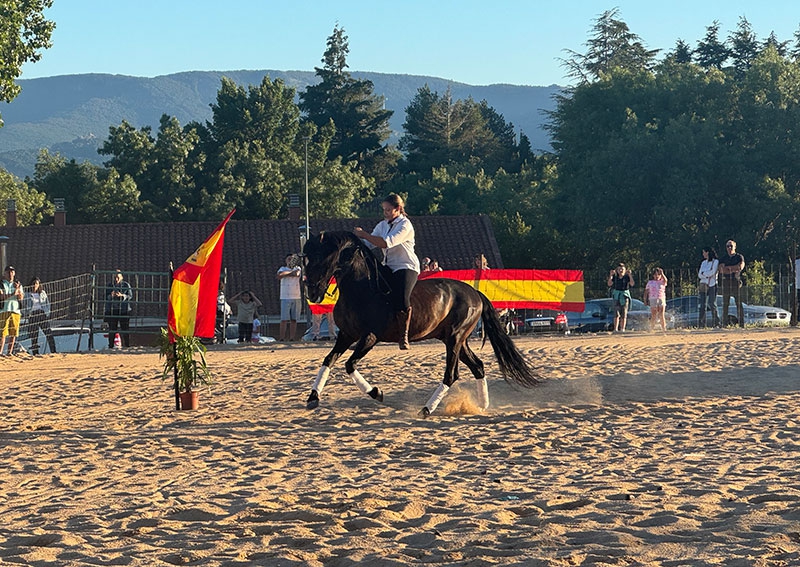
pixel 655 295
pixel 246 304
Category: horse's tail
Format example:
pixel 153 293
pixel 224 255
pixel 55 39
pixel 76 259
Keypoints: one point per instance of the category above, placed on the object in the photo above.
pixel 513 365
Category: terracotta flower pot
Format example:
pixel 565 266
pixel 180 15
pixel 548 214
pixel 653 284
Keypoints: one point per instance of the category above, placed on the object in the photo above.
pixel 190 400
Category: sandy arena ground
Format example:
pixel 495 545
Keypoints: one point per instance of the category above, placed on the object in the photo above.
pixel 639 449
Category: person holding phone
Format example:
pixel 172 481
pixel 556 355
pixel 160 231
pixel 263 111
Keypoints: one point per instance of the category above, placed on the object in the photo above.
pixel 11 296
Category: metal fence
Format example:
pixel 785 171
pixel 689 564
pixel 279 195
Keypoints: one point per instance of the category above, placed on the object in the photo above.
pixel 148 304
pixel 771 285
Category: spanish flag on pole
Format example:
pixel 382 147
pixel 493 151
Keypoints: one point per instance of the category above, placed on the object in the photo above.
pixel 192 305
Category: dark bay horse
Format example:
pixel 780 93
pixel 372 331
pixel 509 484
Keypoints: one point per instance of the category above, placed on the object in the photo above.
pixel 443 309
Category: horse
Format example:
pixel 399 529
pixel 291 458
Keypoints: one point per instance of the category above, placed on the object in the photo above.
pixel 443 309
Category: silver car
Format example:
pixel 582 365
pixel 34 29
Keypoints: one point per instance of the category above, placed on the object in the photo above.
pixel 684 312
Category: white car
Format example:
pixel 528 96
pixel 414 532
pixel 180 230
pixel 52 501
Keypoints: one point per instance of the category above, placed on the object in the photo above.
pixel 684 312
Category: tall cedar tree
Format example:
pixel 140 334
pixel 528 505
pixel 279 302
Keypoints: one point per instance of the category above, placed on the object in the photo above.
pixel 711 53
pixel 612 46
pixel 361 121
pixel 744 46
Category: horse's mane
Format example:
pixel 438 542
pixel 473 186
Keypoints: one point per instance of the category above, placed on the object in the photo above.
pixel 342 239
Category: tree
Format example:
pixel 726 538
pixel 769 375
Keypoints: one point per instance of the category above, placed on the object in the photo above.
pixel 711 53
pixel 58 177
pixel 24 32
pixel 440 131
pixel 32 205
pixel 360 117
pixel 744 46
pixel 782 47
pixel 252 150
pixel 682 53
pixel 114 199
pixel 611 45
pixel 131 149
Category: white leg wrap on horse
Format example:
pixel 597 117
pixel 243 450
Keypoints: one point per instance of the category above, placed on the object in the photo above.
pixel 437 397
pixel 359 381
pixel 322 379
pixel 483 394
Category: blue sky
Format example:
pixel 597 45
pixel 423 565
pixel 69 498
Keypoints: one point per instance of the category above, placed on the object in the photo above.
pixel 477 42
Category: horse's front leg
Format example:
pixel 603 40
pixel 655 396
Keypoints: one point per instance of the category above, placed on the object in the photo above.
pixel 363 346
pixel 343 342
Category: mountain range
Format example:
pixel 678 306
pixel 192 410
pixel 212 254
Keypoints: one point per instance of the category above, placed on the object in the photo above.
pixel 71 114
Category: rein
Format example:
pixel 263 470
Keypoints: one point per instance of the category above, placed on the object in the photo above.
pixel 378 281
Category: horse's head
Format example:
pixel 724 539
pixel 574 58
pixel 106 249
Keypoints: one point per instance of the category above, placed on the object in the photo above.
pixel 324 255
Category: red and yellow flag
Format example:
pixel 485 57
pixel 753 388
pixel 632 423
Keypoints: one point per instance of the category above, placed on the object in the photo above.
pixel 328 302
pixel 523 289
pixel 192 307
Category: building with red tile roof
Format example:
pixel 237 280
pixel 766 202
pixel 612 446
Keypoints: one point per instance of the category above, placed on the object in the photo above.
pixel 253 252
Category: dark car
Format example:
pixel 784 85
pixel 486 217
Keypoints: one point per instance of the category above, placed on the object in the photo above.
pixel 547 321
pixel 684 312
pixel 598 315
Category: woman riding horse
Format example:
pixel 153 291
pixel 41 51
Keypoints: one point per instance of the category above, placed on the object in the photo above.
pixel 444 309
pixel 395 235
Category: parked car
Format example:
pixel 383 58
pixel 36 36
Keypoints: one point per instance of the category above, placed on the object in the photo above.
pixel 547 320
pixel 684 312
pixel 598 315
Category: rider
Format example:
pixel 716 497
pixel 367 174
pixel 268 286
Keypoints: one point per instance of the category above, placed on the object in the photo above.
pixel 395 236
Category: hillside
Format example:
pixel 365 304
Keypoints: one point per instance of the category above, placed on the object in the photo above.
pixel 71 114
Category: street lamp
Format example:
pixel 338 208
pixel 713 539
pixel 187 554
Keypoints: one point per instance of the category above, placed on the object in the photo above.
pixel 308 223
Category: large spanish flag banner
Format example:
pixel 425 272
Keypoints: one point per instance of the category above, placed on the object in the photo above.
pixel 523 289
pixel 327 303
pixel 192 306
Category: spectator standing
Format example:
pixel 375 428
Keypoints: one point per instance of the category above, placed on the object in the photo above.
pixel 655 295
pixel 289 276
pixel 11 296
pixel 37 306
pixel 246 311
pixel 118 309
pixel 316 325
pixel 731 266
pixel 621 281
pixel 223 314
pixel 434 266
pixel 480 262
pixel 707 287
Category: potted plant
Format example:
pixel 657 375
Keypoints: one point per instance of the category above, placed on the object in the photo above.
pixel 185 362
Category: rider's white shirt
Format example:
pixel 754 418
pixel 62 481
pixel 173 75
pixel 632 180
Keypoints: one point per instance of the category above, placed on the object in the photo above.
pixel 399 236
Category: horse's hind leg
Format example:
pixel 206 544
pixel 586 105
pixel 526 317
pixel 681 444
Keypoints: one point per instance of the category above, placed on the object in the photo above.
pixel 453 346
pixel 362 348
pixel 475 365
pixel 343 342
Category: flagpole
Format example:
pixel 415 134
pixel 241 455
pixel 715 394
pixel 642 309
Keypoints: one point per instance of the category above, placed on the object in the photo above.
pixel 174 352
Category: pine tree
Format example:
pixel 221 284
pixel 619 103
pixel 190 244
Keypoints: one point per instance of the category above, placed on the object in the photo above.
pixel 711 53
pixel 360 118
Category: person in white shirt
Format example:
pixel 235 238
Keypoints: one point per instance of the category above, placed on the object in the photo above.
pixel 289 276
pixel 707 287
pixel 394 235
pixel 37 305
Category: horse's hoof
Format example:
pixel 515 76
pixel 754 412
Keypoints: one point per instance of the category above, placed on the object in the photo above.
pixel 376 394
pixel 425 412
pixel 313 400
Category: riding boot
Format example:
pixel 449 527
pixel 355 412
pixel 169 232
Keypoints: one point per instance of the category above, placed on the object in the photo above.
pixel 405 321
